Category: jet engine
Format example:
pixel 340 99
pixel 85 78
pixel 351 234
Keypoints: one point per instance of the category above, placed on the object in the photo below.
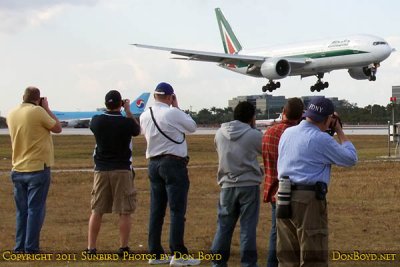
pixel 362 73
pixel 275 68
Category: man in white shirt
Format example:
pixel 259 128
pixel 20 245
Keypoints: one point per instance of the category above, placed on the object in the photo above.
pixel 164 126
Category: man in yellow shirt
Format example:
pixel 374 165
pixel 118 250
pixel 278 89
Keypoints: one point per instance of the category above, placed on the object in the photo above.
pixel 30 125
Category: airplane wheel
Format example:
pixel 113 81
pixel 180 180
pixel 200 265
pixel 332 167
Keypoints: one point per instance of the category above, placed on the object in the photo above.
pixel 373 78
pixel 278 85
pixel 326 85
pixel 264 88
pixel 312 88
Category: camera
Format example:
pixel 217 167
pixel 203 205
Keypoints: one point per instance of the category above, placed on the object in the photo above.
pixel 41 101
pixel 331 129
pixel 283 209
pixel 321 189
pixel 123 101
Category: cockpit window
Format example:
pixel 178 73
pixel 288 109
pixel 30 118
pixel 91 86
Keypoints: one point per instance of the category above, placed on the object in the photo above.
pixel 379 43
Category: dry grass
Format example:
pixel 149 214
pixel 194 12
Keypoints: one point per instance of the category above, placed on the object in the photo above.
pixel 363 204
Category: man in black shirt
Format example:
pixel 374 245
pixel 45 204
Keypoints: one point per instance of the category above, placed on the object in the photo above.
pixel 113 187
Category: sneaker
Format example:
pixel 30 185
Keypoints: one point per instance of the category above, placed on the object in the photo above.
pixel 188 261
pixel 90 251
pixel 159 261
pixel 121 252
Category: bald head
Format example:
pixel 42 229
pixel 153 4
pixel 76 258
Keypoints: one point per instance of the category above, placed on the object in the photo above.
pixel 31 95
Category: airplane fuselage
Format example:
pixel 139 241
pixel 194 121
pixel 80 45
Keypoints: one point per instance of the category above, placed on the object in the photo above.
pixel 325 55
pixel 82 118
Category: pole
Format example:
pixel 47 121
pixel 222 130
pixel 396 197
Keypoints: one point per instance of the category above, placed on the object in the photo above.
pixel 393 113
pixel 389 139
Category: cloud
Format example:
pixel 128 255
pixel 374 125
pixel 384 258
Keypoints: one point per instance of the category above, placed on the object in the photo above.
pixel 38 4
pixel 16 15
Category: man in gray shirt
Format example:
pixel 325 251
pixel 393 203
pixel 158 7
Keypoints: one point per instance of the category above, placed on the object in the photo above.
pixel 238 144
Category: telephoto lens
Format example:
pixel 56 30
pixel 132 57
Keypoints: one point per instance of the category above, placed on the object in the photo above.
pixel 283 210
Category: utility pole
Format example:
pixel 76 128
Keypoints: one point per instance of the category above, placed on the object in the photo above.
pixel 393 103
pixel 393 100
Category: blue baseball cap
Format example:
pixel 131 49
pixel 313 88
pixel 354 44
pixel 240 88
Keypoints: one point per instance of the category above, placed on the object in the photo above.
pixel 164 89
pixel 319 108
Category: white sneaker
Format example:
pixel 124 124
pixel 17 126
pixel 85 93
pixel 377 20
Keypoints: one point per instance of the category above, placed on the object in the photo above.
pixel 187 261
pixel 159 261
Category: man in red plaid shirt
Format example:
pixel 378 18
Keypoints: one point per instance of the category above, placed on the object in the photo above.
pixel 291 116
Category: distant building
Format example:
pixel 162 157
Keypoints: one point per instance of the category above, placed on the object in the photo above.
pixel 396 93
pixel 263 103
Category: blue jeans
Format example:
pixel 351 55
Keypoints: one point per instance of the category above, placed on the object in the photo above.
pixel 30 194
pixel 169 183
pixel 235 202
pixel 272 260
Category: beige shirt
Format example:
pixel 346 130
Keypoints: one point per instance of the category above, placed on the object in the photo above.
pixel 31 140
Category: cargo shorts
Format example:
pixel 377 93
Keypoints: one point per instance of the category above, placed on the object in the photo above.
pixel 114 192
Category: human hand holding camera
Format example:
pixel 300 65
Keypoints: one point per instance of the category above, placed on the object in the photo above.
pixel 335 125
pixel 44 103
pixel 338 125
pixel 126 104
pixel 174 102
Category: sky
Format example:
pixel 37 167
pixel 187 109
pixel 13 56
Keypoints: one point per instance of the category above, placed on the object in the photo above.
pixel 75 51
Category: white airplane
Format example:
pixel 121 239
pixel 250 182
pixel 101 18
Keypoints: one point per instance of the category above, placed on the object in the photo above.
pixel 360 54
pixel 81 119
pixel 268 122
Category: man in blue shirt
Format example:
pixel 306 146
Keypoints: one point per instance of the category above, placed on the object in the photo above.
pixel 306 153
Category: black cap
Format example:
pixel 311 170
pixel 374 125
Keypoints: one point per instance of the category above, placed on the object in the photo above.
pixel 113 96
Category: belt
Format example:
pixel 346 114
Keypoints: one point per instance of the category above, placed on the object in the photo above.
pixel 303 187
pixel 169 156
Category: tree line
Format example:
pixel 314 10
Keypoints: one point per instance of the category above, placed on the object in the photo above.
pixel 349 113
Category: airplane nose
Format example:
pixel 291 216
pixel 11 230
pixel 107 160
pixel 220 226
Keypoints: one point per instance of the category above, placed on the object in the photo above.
pixel 388 51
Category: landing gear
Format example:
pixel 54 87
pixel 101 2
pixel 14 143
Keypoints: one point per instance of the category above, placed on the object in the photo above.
pixel 319 85
pixel 373 68
pixel 271 86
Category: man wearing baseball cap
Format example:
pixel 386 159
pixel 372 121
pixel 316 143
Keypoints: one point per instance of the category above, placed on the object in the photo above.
pixel 164 126
pixel 306 153
pixel 113 184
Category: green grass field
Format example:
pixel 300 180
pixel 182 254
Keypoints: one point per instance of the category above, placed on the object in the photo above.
pixel 363 204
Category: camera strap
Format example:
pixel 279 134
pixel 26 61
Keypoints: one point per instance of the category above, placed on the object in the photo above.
pixel 165 135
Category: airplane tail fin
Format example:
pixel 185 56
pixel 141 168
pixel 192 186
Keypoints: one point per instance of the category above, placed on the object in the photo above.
pixel 139 104
pixel 229 40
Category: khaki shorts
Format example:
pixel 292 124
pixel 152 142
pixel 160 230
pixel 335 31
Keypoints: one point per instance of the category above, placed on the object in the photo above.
pixel 114 191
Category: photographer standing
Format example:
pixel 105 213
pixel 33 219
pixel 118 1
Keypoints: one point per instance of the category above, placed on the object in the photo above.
pixel 238 145
pixel 113 185
pixel 30 125
pixel 306 153
pixel 291 115
pixel 164 126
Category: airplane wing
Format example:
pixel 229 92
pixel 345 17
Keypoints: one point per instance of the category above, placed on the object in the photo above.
pixel 221 58
pixel 208 56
